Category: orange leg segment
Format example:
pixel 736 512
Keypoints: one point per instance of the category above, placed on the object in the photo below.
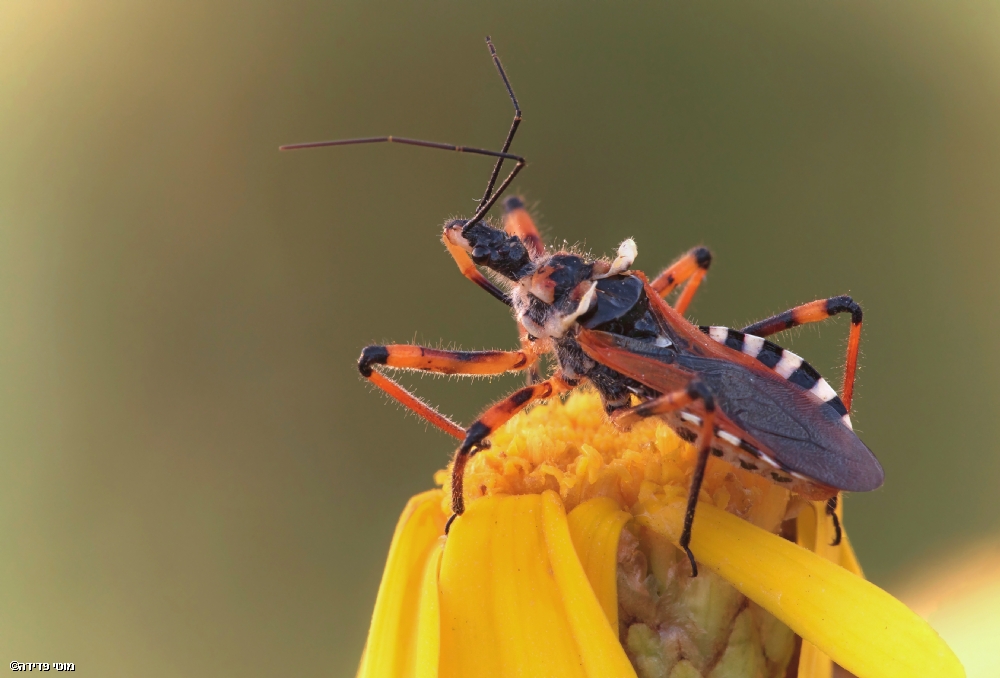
pixel 814 311
pixel 403 356
pixel 517 221
pixel 497 415
pixel 417 405
pixel 851 367
pixel 409 357
pixel 690 268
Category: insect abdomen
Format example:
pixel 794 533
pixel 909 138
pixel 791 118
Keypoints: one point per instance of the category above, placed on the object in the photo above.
pixel 740 453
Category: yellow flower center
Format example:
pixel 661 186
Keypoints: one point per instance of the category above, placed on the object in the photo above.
pixel 573 449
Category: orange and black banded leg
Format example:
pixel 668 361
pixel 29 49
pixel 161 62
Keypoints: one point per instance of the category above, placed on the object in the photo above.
pixel 407 357
pixel 815 311
pixel 493 418
pixel 671 402
pixel 517 221
pixel 690 268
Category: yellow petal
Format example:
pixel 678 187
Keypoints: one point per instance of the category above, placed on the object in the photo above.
pixel 429 617
pixel 515 600
pixel 501 611
pixel 813 662
pixel 600 650
pixel 814 531
pixel 595 526
pixel 394 637
pixel 861 627
pixel 364 658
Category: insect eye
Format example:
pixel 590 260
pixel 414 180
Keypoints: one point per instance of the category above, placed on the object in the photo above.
pixel 480 254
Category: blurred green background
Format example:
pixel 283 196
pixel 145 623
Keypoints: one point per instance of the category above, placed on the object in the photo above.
pixel 195 479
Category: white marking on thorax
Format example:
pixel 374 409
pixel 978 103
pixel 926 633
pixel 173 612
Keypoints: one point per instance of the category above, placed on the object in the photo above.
pixel 847 421
pixel 555 325
pixel 585 302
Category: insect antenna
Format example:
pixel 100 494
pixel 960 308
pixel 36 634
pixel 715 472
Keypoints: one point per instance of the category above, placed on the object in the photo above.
pixel 489 197
pixel 513 125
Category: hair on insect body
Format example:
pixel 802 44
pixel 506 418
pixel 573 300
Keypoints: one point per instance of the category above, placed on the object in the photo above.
pixel 731 393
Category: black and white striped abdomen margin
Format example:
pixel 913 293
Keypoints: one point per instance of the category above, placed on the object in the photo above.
pixel 783 362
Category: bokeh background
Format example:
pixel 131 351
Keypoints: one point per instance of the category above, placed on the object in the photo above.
pixel 196 481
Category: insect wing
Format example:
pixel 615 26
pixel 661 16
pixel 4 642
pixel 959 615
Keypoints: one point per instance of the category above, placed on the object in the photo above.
pixel 650 365
pixel 789 423
pixel 799 430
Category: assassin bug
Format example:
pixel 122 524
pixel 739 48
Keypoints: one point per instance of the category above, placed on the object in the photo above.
pixel 732 393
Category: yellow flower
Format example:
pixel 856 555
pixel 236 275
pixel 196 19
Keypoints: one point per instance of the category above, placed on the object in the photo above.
pixel 565 563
